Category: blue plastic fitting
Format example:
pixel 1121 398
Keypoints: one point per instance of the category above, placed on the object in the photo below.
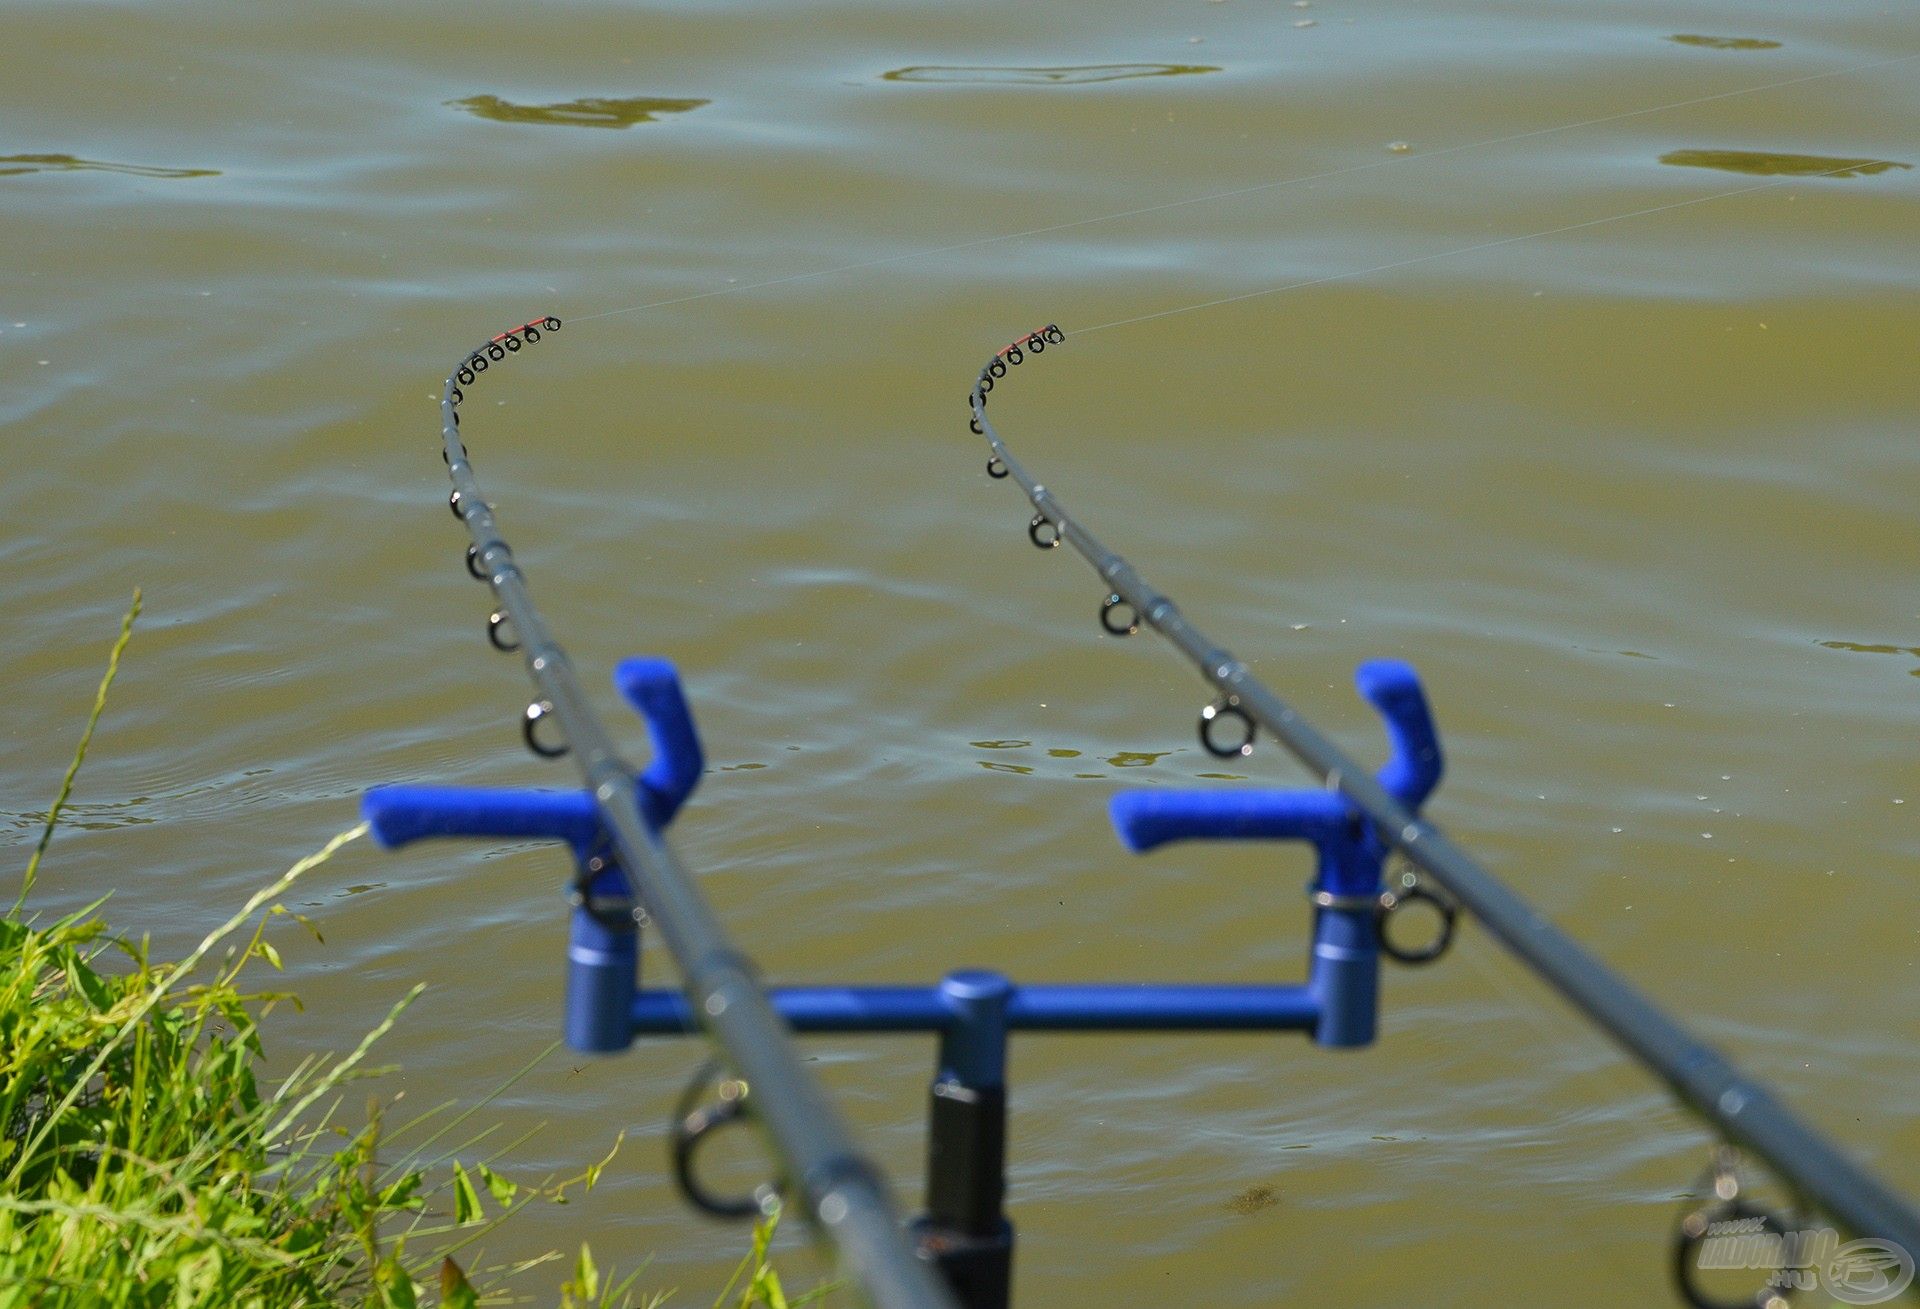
pixel 973 1048
pixel 603 954
pixel 603 972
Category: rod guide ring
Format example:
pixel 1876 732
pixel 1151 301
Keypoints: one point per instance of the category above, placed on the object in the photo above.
pixel 530 722
pixel 694 1123
pixel 1412 891
pixel 1751 1225
pixel 1227 707
pixel 497 625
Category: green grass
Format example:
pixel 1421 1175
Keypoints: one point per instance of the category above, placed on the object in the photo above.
pixel 143 1161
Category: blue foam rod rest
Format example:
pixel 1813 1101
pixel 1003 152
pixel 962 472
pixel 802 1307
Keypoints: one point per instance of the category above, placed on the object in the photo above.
pixel 1414 766
pixel 1146 819
pixel 399 814
pixel 652 687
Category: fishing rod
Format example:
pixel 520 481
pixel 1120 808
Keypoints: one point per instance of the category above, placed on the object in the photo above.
pixel 1741 1108
pixel 629 874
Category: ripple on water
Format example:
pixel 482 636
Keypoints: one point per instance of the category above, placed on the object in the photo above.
pixel 1760 163
pixel 1080 75
pixel 1726 42
pixel 589 111
pixel 14 165
pixel 1858 647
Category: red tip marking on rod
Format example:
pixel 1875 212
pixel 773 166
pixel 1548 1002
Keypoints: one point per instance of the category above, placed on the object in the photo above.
pixel 1024 343
pixel 541 321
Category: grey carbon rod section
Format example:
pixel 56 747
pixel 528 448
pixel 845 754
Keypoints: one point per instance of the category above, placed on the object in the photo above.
pixel 1742 1108
pixel 844 1194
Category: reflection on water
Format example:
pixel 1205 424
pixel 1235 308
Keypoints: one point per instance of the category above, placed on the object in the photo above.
pixel 1120 759
pixel 17 164
pixel 1860 648
pixel 593 111
pixel 1072 76
pixel 1727 42
pixel 1761 164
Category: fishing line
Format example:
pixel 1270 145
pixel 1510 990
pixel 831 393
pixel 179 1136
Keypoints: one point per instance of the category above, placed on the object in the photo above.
pixel 1466 249
pixel 1276 184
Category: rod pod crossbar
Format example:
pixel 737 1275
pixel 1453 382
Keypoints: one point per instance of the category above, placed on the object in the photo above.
pixel 964 1231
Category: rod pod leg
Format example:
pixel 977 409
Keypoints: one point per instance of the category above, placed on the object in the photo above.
pixel 965 1232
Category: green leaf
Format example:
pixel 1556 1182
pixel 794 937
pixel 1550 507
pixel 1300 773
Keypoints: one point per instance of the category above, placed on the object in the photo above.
pixel 498 1187
pixel 271 955
pixel 586 1276
pixel 401 1193
pixel 466 1201
pixel 89 984
pixel 456 1292
pixel 393 1287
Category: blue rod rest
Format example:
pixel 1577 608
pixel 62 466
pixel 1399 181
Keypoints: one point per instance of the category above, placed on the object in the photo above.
pixel 1346 953
pixel 603 952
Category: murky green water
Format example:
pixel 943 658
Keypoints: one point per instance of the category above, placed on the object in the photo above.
pixel 1636 497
